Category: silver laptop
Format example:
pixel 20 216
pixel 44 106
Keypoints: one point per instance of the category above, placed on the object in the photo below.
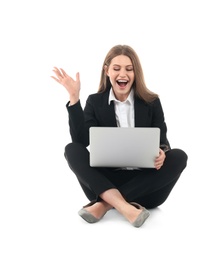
pixel 124 146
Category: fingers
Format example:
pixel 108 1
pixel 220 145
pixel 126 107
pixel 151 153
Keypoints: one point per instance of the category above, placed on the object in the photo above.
pixel 55 79
pixel 160 160
pixel 77 76
pixel 57 72
pixel 158 165
pixel 61 75
pixel 63 72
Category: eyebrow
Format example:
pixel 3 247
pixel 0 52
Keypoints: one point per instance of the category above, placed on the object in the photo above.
pixel 125 65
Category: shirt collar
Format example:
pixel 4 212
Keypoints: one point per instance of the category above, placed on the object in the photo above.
pixel 130 97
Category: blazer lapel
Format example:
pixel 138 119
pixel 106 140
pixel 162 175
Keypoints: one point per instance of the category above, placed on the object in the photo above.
pixel 141 113
pixel 108 112
pixel 109 115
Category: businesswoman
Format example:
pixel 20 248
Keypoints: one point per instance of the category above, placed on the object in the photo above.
pixel 132 192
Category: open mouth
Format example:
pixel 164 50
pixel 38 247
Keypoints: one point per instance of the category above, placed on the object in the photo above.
pixel 122 83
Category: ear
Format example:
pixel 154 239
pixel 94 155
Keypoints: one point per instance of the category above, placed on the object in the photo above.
pixel 106 69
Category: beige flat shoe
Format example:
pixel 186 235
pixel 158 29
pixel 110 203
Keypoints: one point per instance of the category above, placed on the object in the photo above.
pixel 142 216
pixel 87 216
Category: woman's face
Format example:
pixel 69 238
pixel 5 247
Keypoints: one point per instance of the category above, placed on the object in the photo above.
pixel 121 74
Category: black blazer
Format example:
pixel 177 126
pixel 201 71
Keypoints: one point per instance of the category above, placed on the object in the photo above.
pixel 98 112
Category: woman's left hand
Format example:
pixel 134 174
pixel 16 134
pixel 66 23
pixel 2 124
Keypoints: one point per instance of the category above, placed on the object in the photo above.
pixel 160 159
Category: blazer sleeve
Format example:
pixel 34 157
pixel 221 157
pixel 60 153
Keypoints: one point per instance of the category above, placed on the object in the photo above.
pixel 158 120
pixel 76 122
pixel 80 121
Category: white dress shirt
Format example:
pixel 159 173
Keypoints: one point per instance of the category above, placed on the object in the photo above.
pixel 124 110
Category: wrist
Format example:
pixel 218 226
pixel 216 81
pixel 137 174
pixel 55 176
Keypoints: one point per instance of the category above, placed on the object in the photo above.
pixel 73 100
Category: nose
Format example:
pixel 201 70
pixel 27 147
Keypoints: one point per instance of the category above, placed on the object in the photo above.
pixel 123 73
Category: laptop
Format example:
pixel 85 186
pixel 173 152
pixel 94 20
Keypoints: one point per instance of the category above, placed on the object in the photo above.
pixel 124 146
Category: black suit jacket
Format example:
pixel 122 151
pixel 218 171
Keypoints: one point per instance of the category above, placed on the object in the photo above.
pixel 98 112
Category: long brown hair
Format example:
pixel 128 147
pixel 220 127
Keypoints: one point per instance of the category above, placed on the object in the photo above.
pixel 139 85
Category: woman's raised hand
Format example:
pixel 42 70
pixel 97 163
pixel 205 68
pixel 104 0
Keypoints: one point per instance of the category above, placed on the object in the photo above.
pixel 71 85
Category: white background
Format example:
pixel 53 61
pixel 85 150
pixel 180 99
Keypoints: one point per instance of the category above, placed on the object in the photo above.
pixel 180 45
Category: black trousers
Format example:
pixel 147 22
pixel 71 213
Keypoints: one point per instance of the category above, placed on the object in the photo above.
pixel 148 187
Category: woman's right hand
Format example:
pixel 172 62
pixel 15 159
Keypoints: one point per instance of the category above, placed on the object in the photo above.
pixel 72 86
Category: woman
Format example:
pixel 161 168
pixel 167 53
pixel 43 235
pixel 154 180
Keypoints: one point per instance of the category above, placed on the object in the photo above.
pixel 130 192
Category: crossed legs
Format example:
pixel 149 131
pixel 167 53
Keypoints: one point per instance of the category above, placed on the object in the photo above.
pixel 108 191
